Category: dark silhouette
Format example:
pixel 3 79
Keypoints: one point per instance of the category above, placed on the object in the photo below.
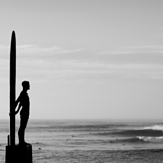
pixel 12 87
pixel 21 153
pixel 24 105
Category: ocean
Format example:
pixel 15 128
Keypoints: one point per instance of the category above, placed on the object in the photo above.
pixel 82 141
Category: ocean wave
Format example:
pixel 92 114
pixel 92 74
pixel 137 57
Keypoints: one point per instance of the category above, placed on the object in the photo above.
pixel 154 127
pixel 130 140
pixel 139 132
pixel 151 139
pixel 139 139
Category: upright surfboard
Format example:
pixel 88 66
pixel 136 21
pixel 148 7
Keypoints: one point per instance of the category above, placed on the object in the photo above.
pixel 12 88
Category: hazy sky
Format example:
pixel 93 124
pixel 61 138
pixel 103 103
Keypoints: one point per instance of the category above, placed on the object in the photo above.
pixel 85 58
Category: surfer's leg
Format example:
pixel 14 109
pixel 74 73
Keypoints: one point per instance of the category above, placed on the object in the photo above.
pixel 21 132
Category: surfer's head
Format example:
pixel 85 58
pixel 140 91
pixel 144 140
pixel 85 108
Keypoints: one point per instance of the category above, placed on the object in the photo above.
pixel 25 85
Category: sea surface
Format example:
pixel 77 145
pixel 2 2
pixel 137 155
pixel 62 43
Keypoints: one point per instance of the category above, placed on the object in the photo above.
pixel 70 141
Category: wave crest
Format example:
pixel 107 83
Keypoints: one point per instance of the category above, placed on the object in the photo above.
pixel 151 139
pixel 135 133
pixel 154 127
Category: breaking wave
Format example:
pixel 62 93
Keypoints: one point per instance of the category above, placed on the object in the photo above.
pixel 151 139
pixel 139 139
pixel 147 134
pixel 154 127
pixel 139 132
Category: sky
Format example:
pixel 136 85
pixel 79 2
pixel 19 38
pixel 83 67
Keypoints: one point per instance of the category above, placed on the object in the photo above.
pixel 85 59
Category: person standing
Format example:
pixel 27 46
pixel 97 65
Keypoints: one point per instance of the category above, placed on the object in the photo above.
pixel 23 104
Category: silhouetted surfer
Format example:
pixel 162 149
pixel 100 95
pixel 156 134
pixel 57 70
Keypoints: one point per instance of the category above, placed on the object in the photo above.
pixel 24 104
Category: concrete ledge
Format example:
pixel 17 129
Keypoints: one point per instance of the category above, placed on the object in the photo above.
pixel 19 154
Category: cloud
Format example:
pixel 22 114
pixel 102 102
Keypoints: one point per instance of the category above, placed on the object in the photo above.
pixel 56 64
pixel 134 50
pixel 66 70
pixel 34 49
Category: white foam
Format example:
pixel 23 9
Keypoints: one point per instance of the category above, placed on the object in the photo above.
pixel 154 127
pixel 151 139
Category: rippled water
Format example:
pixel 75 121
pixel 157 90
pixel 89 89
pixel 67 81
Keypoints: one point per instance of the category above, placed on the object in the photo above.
pixel 88 140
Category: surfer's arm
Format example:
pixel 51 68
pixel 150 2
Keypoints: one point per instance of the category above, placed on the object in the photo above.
pixel 16 103
pixel 18 108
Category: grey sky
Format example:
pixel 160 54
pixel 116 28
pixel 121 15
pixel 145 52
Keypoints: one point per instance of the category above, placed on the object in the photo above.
pixel 85 58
